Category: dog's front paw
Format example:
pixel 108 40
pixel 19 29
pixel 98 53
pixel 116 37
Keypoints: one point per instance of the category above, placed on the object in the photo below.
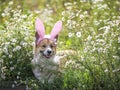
pixel 57 59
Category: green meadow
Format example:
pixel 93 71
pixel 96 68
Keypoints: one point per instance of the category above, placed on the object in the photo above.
pixel 91 29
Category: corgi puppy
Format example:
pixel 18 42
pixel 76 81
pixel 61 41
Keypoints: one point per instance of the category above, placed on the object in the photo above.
pixel 45 62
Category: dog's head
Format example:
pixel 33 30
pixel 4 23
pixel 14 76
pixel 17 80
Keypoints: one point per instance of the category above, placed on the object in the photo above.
pixel 46 44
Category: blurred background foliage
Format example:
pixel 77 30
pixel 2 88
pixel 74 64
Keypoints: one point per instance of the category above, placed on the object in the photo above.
pixel 91 28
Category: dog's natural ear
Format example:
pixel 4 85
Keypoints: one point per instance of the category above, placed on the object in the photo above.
pixel 55 31
pixel 40 31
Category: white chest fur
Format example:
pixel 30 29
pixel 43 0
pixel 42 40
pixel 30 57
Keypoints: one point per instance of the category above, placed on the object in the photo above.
pixel 45 69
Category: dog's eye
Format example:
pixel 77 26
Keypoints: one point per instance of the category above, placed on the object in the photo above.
pixel 44 46
pixel 51 46
pixel 41 51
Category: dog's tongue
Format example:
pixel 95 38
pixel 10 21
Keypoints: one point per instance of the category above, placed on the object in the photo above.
pixel 48 56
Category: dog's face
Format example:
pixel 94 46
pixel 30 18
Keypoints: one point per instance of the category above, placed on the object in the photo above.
pixel 46 48
pixel 45 45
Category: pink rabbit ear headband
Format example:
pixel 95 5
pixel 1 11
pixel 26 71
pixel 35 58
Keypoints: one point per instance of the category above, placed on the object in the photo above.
pixel 40 31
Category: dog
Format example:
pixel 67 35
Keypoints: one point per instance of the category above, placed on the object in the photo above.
pixel 45 63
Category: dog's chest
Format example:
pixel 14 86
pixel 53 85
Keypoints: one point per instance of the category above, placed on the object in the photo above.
pixel 47 65
pixel 45 68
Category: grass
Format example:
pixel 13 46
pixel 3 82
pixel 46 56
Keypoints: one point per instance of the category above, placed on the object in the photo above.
pixel 90 28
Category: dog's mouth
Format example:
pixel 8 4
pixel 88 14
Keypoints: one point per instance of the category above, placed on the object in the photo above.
pixel 46 55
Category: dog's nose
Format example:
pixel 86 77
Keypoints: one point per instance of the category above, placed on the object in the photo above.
pixel 49 51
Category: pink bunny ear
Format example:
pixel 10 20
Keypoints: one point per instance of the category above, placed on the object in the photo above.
pixel 40 31
pixel 56 29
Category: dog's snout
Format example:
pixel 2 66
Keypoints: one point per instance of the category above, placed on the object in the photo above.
pixel 49 51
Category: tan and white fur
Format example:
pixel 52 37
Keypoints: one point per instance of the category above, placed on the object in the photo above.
pixel 45 62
